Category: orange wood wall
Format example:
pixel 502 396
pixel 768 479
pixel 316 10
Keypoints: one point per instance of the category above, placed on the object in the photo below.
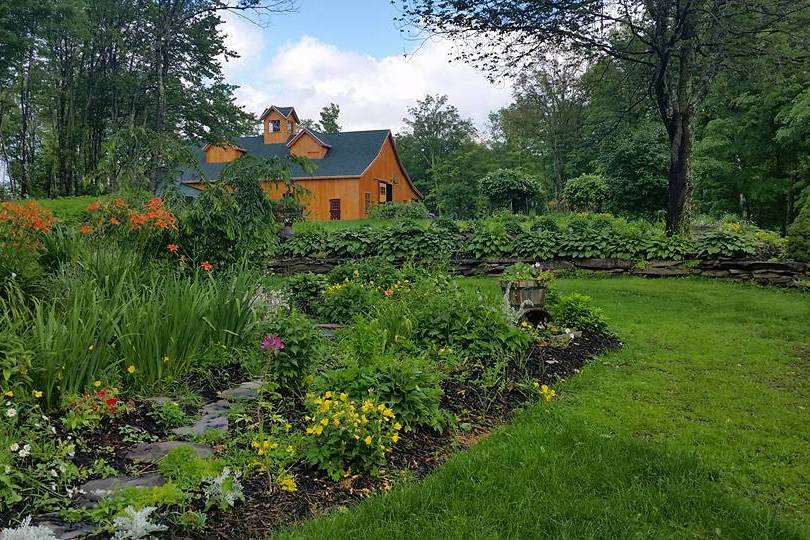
pixel 350 191
pixel 307 146
pixel 222 154
pixel 282 136
pixel 385 168
pixel 321 191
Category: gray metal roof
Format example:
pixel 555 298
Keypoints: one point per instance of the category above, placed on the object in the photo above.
pixel 350 154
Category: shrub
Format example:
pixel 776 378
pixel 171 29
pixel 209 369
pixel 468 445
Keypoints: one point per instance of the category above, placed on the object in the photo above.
pixel 769 245
pixel 542 245
pixel 305 290
pixel 577 311
pixel 307 241
pixel 340 302
pixel 724 243
pixel 465 321
pixel 403 210
pixel 407 240
pixel 409 386
pixel 345 435
pixel 355 242
pixel 512 189
pixel 585 193
pixel 300 348
pixel 372 269
pixel 798 242
pixel 490 240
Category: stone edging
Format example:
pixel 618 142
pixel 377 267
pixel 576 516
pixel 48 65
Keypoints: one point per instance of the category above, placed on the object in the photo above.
pixel 784 273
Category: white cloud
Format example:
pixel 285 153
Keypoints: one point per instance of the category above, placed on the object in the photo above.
pixel 244 38
pixel 373 93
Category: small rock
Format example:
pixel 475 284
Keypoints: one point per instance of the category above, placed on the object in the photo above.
pixel 95 490
pixel 247 390
pixel 62 530
pixel 214 416
pixel 154 452
pixel 159 400
pixel 328 330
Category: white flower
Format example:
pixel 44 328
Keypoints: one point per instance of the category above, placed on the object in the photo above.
pixel 54 473
pixel 11 412
pixel 26 531
pixel 25 452
pixel 14 447
pixel 135 524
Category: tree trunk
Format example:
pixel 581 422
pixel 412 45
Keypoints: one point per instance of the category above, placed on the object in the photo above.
pixel 680 181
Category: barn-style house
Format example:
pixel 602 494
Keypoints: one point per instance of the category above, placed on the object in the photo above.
pixel 354 169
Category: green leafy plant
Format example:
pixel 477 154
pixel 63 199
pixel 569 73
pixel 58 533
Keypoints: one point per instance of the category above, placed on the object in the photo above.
pixel 410 386
pixel 798 242
pixel 403 210
pixel 294 351
pixel 577 311
pixel 724 243
pixel 585 192
pixel 523 271
pixel 345 435
pixel 168 414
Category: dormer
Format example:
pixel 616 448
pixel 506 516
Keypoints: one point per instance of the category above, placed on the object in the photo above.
pixel 222 152
pixel 307 144
pixel 280 123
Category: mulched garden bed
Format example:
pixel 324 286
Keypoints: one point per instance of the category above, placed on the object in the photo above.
pixel 418 453
pixel 478 410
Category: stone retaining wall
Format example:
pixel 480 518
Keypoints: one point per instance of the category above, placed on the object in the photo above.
pixel 785 273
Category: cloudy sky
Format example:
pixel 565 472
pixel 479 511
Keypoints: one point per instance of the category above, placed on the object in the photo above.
pixel 350 52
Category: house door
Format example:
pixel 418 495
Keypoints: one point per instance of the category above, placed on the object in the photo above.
pixel 334 209
pixel 389 192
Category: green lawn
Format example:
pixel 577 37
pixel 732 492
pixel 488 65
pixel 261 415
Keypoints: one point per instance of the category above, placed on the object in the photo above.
pixel 699 427
pixel 72 209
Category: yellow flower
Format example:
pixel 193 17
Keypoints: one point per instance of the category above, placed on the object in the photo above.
pixel 286 483
pixel 367 440
pixel 254 444
pixel 260 452
pixel 328 395
pixel 90 348
pixel 336 421
pixel 37 394
pixel 318 430
pixel 324 422
pixel 310 431
pixel 344 396
pixel 165 359
pixel 290 449
pixel 273 446
pixel 397 426
pixel 131 369
pixel 266 445
pixel 356 273
pixel 97 384
pixel 8 393
pixel 395 437
pixel 388 413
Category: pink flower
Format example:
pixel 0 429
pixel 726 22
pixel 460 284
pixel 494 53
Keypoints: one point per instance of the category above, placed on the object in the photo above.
pixel 272 342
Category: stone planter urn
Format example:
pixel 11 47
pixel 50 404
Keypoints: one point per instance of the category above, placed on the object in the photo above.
pixel 525 293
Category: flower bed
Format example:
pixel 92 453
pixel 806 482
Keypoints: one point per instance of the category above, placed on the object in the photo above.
pixel 272 418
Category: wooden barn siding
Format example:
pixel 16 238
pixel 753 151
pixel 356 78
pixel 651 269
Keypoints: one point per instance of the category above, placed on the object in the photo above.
pixel 307 146
pixel 321 191
pixel 386 167
pixel 278 136
pixel 221 154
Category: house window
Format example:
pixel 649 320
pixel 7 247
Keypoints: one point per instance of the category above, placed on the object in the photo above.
pixel 381 196
pixel 367 202
pixel 275 126
pixel 334 209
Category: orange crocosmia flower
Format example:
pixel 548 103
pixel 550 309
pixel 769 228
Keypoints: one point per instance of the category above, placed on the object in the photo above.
pixel 172 248
pixel 207 266
pixel 389 293
pixel 86 229
pixel 114 221
pixel 92 207
pixel 120 203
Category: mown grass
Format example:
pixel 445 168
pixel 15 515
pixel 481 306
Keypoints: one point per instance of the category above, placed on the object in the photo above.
pixel 71 209
pixel 699 427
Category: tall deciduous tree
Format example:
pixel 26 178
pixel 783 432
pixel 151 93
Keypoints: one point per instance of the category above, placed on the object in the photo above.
pixel 680 46
pixel 329 118
pixel 433 129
